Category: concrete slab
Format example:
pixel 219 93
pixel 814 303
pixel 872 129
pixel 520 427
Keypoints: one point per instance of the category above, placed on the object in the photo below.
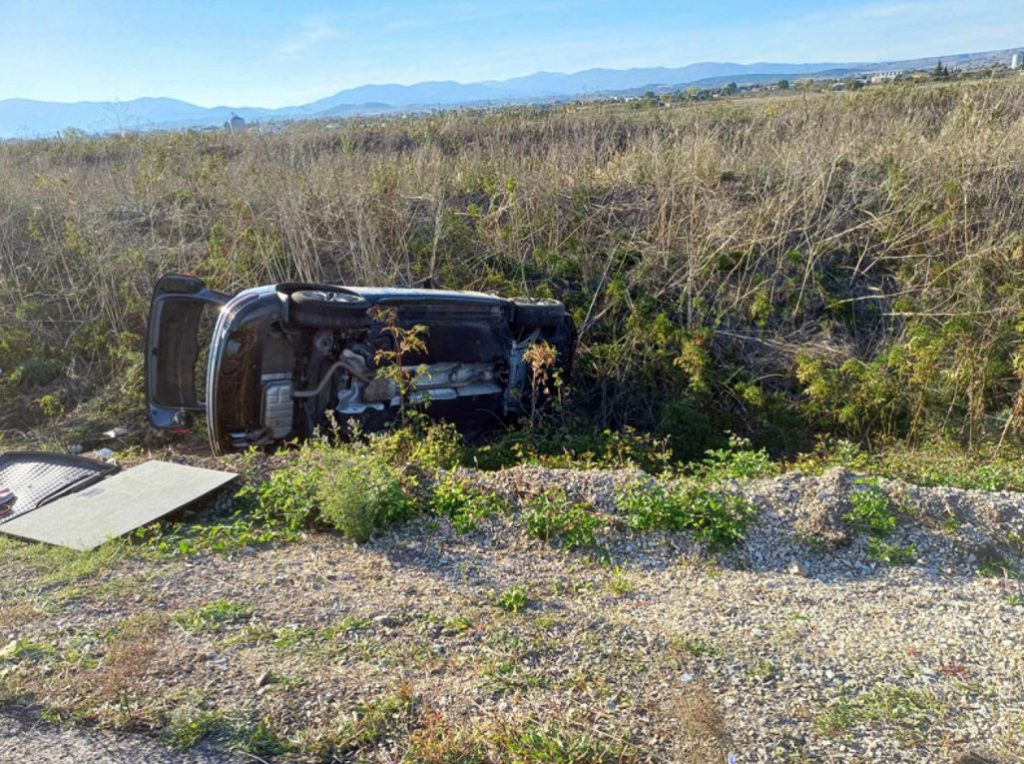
pixel 117 505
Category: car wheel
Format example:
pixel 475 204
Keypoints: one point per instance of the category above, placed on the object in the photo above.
pixel 538 312
pixel 328 309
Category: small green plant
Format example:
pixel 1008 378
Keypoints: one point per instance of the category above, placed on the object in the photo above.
pixel 886 702
pixel 763 669
pixel 891 554
pixel 737 462
pixel 697 647
pixel 457 624
pixel 24 649
pixel 463 504
pixel 371 722
pixel 351 623
pixel 187 727
pixel 212 616
pixel 393 364
pixel 951 523
pixel 289 495
pixel 994 564
pixel 538 742
pixel 512 600
pixel 718 518
pixel 620 584
pixel 50 405
pixel 289 637
pixel 870 509
pixel 553 517
pixel 259 739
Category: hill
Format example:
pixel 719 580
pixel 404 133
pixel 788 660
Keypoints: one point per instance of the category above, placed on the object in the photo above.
pixel 20 118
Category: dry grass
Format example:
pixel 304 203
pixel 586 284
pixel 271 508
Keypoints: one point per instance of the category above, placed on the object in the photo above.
pixel 721 259
pixel 701 719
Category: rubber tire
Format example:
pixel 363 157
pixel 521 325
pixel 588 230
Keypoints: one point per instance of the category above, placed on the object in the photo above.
pixel 328 309
pixel 538 312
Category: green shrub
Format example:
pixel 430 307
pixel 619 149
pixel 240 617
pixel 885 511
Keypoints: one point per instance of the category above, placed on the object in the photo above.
pixel 870 509
pixel 463 504
pixel 718 518
pixel 575 444
pixel 290 494
pixel 36 372
pixel 359 493
pixel 429 445
pixel 737 462
pixel 553 517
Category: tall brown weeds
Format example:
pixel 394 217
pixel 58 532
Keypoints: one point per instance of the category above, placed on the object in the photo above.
pixel 847 262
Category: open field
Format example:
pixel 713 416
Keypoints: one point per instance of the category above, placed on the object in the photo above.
pixel 838 275
pixel 846 263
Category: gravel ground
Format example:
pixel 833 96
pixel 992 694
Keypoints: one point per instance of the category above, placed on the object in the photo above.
pixel 797 646
pixel 25 741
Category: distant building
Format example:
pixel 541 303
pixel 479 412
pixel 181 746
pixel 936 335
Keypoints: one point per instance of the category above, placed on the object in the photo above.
pixel 1017 62
pixel 879 77
pixel 235 125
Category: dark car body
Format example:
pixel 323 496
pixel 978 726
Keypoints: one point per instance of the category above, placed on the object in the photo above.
pixel 286 360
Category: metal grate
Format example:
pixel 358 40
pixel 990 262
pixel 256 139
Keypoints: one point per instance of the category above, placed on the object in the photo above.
pixel 35 478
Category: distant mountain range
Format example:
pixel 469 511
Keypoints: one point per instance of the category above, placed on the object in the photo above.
pixel 22 118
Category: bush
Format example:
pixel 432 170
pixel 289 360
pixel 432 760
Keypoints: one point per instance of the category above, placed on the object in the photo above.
pixel 359 493
pixel 870 509
pixel 737 462
pixel 718 518
pixel 553 517
pixel 463 504
pixel 36 372
pixel 575 443
pixel 425 444
pixel 290 494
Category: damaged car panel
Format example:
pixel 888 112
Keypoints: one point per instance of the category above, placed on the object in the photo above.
pixel 287 359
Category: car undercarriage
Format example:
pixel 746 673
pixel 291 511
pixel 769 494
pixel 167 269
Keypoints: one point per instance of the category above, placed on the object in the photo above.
pixel 285 361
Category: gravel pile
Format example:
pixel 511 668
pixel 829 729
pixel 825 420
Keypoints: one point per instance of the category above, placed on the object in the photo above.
pixel 801 526
pixel 598 488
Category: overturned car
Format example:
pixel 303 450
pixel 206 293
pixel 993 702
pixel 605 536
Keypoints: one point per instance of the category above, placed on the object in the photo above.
pixel 285 360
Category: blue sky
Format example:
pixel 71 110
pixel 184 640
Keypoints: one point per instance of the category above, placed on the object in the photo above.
pixel 262 53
